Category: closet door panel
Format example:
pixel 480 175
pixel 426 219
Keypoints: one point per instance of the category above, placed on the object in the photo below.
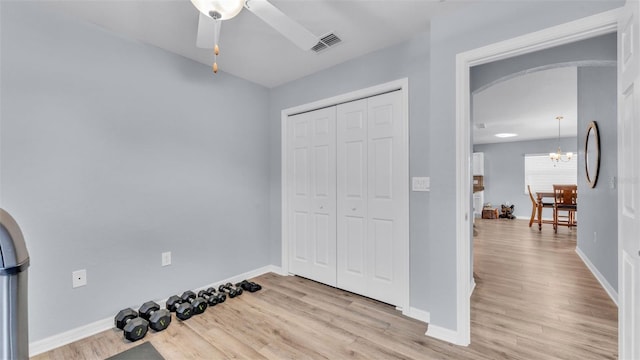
pixel 352 196
pixel 384 134
pixel 313 195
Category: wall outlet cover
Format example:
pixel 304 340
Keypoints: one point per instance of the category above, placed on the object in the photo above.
pixel 79 278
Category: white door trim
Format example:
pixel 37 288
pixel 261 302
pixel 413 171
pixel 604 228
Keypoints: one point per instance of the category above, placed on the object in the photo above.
pixel 400 84
pixel 573 31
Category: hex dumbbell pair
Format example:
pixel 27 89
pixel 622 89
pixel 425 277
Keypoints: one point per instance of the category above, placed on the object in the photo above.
pixel 183 310
pixel 159 319
pixel 134 327
pixel 199 304
pixel 230 290
pixel 212 296
pixel 186 305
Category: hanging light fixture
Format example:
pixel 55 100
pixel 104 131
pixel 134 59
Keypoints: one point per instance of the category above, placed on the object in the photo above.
pixel 558 155
pixel 218 10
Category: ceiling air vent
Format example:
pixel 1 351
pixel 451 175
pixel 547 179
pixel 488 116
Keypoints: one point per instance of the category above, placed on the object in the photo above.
pixel 326 41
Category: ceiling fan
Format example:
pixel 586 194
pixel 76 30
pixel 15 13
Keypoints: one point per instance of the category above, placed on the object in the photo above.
pixel 213 12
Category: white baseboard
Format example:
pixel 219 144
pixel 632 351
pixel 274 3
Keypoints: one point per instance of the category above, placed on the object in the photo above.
pixel 418 314
pixel 473 286
pixel 605 284
pixel 67 337
pixel 445 334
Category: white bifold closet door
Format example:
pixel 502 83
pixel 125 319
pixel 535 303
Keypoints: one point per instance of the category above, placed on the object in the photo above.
pixel 312 194
pixel 344 190
pixel 369 185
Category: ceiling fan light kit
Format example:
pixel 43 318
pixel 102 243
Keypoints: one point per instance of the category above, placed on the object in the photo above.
pixel 219 9
pixel 214 11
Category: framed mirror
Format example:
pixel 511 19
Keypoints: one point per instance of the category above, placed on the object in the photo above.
pixel 592 154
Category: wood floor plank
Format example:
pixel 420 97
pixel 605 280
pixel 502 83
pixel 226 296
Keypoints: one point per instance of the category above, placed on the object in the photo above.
pixel 534 299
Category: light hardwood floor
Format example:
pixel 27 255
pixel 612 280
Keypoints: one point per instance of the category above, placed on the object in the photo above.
pixel 534 299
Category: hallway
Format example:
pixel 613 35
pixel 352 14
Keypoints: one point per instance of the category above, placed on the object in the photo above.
pixel 535 298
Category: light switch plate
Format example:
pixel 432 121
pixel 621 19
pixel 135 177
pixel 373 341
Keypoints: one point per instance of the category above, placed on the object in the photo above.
pixel 420 183
pixel 166 258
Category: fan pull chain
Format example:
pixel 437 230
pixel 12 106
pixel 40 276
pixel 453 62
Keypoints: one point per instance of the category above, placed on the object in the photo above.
pixel 216 37
pixel 216 51
pixel 215 60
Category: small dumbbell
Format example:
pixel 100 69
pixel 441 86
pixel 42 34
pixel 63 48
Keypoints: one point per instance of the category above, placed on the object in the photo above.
pixel 199 304
pixel 135 328
pixel 159 319
pixel 212 297
pixel 236 288
pixel 222 297
pixel 249 286
pixel 230 290
pixel 183 310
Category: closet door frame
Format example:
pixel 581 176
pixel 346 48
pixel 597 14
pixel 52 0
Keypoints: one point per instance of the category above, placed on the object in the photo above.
pixel 403 242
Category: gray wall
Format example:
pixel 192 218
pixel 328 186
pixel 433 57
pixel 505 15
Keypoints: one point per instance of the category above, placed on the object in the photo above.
pixel 475 26
pixel 409 59
pixel 113 151
pixel 598 207
pixel 504 171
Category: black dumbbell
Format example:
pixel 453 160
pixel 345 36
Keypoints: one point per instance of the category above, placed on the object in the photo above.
pixel 212 297
pixel 159 319
pixel 236 288
pixel 231 290
pixel 183 310
pixel 135 328
pixel 249 286
pixel 222 297
pixel 199 304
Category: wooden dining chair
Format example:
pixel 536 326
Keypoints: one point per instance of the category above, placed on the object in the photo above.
pixel 535 211
pixel 565 200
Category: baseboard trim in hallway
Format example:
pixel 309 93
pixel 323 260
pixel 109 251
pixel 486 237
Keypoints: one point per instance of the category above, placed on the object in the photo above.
pixel 598 275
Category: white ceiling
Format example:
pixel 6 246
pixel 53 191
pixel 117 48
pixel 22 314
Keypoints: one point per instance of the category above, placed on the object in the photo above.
pixel 252 50
pixel 527 105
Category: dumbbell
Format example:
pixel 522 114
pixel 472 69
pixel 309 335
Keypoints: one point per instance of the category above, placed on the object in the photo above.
pixel 159 319
pixel 199 304
pixel 135 328
pixel 212 297
pixel 183 310
pixel 249 286
pixel 231 290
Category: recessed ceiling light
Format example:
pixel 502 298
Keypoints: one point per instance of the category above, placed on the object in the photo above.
pixel 505 135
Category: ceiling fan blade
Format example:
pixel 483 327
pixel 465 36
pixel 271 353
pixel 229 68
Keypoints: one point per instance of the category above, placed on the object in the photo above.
pixel 206 30
pixel 292 30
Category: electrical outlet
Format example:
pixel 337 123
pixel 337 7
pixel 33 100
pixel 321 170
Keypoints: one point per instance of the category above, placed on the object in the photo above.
pixel 79 278
pixel 166 258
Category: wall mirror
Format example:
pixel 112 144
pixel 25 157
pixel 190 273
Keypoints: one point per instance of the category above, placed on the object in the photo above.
pixel 592 154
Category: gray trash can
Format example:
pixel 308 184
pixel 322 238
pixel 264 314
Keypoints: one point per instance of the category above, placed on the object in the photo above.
pixel 14 261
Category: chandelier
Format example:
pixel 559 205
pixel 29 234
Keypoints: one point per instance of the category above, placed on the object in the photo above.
pixel 558 155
